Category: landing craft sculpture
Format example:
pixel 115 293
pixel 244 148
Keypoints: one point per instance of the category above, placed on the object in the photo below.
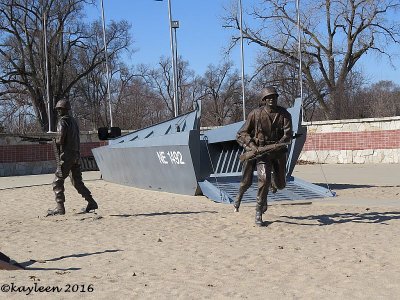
pixel 175 156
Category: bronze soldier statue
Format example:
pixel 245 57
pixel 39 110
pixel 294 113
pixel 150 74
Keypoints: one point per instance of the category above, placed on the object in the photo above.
pixel 268 126
pixel 247 174
pixel 248 168
pixel 68 161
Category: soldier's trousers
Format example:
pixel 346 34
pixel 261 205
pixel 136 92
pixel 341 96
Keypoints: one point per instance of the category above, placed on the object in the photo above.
pixel 275 164
pixel 71 168
pixel 246 181
pixel 266 165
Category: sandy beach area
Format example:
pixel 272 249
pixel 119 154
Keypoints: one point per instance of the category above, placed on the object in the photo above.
pixel 153 245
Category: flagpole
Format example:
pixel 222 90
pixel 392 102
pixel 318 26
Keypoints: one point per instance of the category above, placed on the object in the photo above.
pixel 300 58
pixel 242 58
pixel 49 104
pixel 106 57
pixel 174 70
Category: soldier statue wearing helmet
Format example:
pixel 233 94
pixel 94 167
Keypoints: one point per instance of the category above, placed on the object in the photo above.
pixel 265 125
pixel 68 164
pixel 63 104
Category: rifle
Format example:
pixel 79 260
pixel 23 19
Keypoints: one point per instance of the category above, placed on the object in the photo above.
pixel 254 154
pixel 43 140
pixel 260 151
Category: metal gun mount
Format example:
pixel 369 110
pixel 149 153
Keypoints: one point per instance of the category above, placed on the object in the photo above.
pixel 188 161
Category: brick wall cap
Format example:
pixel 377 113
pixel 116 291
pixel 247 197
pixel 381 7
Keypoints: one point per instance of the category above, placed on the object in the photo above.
pixel 366 120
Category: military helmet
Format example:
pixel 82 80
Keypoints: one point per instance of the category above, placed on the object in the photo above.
pixel 64 103
pixel 270 90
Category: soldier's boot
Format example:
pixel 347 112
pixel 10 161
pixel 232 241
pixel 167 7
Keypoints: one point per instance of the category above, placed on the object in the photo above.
pixel 59 210
pixel 238 200
pixel 58 188
pixel 91 205
pixel 258 220
pixel 236 203
pixel 264 208
pixel 273 187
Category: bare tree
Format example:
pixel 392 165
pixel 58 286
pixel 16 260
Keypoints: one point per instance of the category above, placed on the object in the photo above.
pixel 382 99
pixel 335 35
pixel 284 76
pixel 16 114
pixel 69 43
pixel 90 96
pixel 89 100
pixel 222 95
pixel 189 86
pixel 160 80
pixel 136 104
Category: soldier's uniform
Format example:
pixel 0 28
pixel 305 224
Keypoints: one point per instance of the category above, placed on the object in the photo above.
pixel 265 125
pixel 248 168
pixel 68 143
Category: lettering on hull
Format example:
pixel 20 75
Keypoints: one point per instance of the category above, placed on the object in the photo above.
pixel 170 157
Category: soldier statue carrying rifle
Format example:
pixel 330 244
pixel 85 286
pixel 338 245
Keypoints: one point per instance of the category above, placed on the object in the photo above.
pixel 264 136
pixel 68 160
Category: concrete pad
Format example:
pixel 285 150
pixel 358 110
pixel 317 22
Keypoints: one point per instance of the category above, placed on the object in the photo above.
pixel 356 174
pixel 356 185
pixel 359 202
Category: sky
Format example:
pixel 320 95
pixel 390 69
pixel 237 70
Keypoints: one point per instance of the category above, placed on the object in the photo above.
pixel 201 38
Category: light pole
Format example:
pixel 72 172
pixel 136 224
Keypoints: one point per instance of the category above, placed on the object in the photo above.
pixel 174 56
pixel 173 61
pixel 242 57
pixel 49 104
pixel 175 25
pixel 300 58
pixel 106 57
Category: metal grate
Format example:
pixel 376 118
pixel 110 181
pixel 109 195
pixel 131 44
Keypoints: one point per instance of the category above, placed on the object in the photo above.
pixel 88 163
pixel 228 159
pixel 293 190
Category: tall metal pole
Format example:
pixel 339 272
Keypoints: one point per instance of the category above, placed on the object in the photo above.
pixel 242 57
pixel 300 58
pixel 175 77
pixel 107 69
pixel 176 69
pixel 49 106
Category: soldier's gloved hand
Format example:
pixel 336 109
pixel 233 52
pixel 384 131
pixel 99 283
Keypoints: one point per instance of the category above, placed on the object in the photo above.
pixel 252 147
pixel 281 148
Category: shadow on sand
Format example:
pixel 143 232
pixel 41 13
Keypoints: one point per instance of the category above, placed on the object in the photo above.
pixel 340 218
pixel 30 262
pixel 345 186
pixel 165 213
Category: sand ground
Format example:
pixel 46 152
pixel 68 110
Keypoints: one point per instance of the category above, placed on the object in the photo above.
pixel 151 245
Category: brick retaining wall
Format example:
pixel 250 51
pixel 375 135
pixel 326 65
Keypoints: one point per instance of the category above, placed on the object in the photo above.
pixel 18 157
pixel 353 141
pixel 37 152
pixel 343 141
